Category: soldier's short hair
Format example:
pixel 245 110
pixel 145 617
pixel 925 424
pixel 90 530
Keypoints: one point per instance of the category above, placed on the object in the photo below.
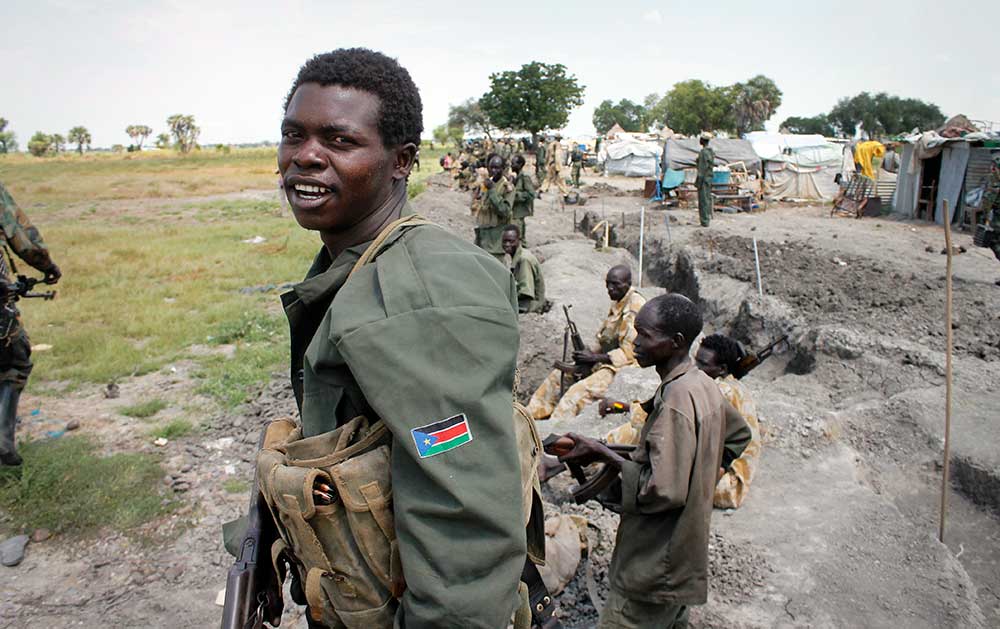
pixel 512 228
pixel 676 313
pixel 400 116
pixel 728 351
pixel 518 158
pixel 493 156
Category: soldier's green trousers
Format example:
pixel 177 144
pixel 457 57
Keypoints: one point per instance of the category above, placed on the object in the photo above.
pixel 705 204
pixel 575 174
pixel 15 359
pixel 621 612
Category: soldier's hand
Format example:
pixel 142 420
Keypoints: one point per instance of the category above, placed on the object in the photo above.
pixel 52 275
pixel 607 405
pixel 586 450
pixel 488 183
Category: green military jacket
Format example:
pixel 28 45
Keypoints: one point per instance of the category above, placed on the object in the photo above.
pixel 540 156
pixel 21 235
pixel 530 283
pixel 661 551
pixel 424 333
pixel 524 196
pixel 706 164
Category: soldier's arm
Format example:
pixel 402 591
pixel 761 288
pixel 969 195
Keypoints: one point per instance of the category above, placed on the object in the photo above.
pixel 738 435
pixel 502 199
pixel 661 484
pixel 446 347
pixel 22 236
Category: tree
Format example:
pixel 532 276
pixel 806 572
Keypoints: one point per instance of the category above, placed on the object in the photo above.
pixel 631 116
pixel 443 134
pixel 58 142
pixel 469 116
pixel 40 144
pixel 537 97
pixel 138 133
pixel 163 141
pixel 8 141
pixel 693 106
pixel 883 114
pixel 754 102
pixel 184 130
pixel 79 136
pixel 808 125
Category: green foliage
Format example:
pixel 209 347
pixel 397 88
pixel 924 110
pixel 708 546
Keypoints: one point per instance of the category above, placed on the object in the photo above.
pixel 229 380
pixel 631 116
pixel 537 97
pixel 79 136
pixel 174 429
pixel 8 140
pixel 138 133
pixel 163 141
pixel 185 132
pixel 58 142
pixel 40 144
pixel 65 485
pixel 445 134
pixel 142 410
pixel 883 115
pixel 468 116
pixel 754 102
pixel 250 327
pixel 808 125
pixel 693 106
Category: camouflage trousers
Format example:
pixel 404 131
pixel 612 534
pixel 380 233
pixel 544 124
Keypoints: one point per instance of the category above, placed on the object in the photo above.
pixel 546 403
pixel 15 359
pixel 733 487
pixel 552 176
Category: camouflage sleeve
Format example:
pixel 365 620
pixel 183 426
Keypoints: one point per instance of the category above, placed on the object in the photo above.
pixel 624 354
pixel 21 235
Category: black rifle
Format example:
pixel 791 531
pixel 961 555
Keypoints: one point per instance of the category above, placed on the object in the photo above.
pixel 589 488
pixel 11 292
pixel 569 367
pixel 252 594
pixel 753 359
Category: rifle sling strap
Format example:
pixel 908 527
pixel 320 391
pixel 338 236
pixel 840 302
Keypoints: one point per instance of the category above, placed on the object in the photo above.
pixel 542 605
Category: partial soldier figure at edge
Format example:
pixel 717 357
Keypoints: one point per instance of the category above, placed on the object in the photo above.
pixel 15 348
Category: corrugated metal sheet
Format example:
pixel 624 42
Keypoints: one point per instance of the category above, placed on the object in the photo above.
pixel 978 171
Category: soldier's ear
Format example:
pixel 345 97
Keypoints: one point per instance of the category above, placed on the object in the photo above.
pixel 404 156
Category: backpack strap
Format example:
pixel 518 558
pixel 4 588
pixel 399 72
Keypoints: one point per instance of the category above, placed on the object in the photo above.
pixel 376 247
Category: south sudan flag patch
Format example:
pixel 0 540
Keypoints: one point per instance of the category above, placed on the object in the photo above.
pixel 442 436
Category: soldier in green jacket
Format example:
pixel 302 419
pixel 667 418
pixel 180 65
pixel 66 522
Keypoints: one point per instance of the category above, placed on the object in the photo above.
pixel 576 160
pixel 540 161
pixel 660 563
pixel 426 333
pixel 15 348
pixel 491 205
pixel 526 270
pixel 706 164
pixel 524 195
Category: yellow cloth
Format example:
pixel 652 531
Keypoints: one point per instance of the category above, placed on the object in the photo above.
pixel 864 153
pixel 732 488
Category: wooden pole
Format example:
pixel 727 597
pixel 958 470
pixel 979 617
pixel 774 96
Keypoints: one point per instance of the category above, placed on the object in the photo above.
pixel 947 374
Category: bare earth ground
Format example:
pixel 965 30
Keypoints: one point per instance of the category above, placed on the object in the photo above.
pixel 839 529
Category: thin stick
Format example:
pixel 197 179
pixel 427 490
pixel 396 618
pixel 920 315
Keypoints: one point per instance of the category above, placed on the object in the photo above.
pixel 947 374
pixel 670 240
pixel 756 262
pixel 642 239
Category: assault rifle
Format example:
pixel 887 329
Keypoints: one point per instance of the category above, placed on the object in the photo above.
pixel 252 596
pixel 589 488
pixel 753 359
pixel 569 367
pixel 23 287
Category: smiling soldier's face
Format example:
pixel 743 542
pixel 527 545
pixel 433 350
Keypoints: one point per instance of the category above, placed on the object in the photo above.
pixel 334 166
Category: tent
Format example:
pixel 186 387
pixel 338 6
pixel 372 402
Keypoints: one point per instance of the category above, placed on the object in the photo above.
pixel 630 157
pixel 679 154
pixel 934 169
pixel 614 131
pixel 797 166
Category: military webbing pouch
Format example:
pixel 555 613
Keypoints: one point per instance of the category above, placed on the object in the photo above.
pixel 345 552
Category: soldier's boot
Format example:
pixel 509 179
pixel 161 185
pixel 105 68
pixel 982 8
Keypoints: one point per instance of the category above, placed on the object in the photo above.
pixel 9 397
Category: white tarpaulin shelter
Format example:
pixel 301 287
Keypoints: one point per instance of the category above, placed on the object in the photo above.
pixel 630 157
pixel 797 166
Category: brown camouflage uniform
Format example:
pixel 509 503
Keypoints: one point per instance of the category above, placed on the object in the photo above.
pixel 21 236
pixel 615 338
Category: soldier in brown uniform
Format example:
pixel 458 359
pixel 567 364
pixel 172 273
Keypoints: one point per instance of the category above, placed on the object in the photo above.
pixel 15 348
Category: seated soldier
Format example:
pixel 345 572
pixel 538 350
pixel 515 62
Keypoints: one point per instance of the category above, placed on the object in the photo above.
pixel 718 356
pixel 526 270
pixel 614 351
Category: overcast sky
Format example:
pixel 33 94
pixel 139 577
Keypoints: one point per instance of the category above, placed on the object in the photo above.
pixel 107 64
